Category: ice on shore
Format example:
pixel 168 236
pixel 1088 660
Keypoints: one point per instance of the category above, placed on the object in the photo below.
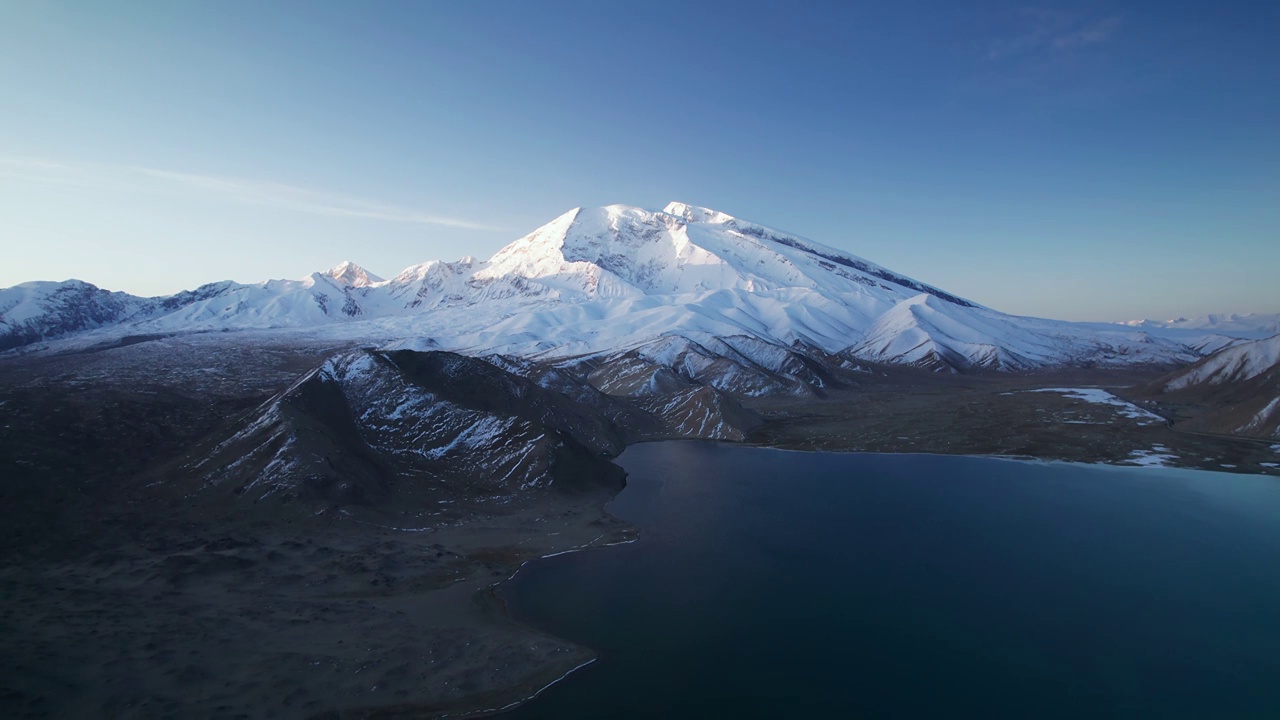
pixel 1157 456
pixel 1102 397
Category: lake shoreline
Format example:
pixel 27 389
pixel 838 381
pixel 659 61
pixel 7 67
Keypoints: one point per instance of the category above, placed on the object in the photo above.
pixel 170 572
pixel 1076 504
pixel 1097 463
pixel 199 575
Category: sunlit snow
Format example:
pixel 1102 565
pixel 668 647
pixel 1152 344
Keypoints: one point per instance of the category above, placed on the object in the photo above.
pixel 615 278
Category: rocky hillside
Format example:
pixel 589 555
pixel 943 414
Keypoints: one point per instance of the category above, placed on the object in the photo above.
pixel 1235 391
pixel 415 431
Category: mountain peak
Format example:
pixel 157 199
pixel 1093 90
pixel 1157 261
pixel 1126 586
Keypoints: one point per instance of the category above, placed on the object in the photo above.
pixel 695 214
pixel 352 275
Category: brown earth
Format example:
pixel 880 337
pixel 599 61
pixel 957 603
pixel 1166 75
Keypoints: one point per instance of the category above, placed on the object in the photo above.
pixel 1000 414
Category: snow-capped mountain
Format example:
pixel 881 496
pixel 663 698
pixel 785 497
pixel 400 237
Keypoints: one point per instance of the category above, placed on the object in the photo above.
pixel 659 287
pixel 37 311
pixel 33 311
pixel 1237 390
pixel 1236 364
pixel 1256 325
pixel 929 332
pixel 352 275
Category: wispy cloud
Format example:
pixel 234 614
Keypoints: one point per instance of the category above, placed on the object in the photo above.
pixel 1093 33
pixel 252 192
pixel 1045 32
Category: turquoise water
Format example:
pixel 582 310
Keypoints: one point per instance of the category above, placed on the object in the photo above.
pixel 782 584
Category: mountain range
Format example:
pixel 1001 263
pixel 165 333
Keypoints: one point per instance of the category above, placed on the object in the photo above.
pixel 682 289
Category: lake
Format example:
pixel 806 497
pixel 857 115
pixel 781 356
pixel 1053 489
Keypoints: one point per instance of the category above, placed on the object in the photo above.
pixel 769 583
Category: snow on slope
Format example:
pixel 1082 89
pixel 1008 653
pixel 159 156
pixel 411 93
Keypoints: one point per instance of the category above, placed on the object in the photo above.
pixel 35 311
pixel 1260 419
pixel 341 432
pixel 460 427
pixel 1233 365
pixel 32 311
pixel 1234 391
pixel 314 300
pixel 1210 344
pixel 929 332
pixel 619 279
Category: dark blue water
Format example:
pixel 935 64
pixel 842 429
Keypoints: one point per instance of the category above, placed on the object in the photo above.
pixel 779 584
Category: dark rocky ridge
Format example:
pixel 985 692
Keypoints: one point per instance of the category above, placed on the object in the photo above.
pixel 408 430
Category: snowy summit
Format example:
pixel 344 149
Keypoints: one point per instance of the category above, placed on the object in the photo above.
pixel 352 275
pixel 620 278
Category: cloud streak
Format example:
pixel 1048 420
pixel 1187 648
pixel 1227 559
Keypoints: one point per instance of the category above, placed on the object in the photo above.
pixel 1094 33
pixel 1047 32
pixel 272 195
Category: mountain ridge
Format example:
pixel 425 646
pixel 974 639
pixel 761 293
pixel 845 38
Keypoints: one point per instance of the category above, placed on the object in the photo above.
pixel 1234 391
pixel 597 280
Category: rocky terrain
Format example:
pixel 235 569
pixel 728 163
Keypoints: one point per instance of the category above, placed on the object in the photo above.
pixel 213 524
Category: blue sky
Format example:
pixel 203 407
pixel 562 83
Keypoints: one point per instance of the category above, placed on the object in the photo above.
pixel 1080 161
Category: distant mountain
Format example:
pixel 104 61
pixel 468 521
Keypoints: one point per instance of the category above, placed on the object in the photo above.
pixel 1262 325
pixel 1234 391
pixel 35 311
pixel 684 294
pixel 352 275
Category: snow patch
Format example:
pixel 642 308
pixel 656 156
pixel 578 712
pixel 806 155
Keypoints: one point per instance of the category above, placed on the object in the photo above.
pixel 1102 397
pixel 1157 456
pixel 1262 417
